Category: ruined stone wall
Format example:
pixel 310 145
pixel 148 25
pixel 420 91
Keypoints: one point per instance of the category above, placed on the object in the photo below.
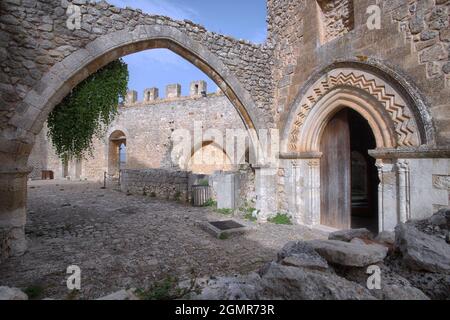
pixel 413 40
pixel 157 183
pixel 148 128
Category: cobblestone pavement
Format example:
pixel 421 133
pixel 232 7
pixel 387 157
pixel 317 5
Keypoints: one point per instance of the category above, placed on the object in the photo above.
pixel 121 241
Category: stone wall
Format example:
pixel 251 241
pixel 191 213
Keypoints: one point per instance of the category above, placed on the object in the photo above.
pixel 410 52
pixel 34 37
pixel 148 127
pixel 157 183
pixel 413 40
pixel 177 185
pixel 243 183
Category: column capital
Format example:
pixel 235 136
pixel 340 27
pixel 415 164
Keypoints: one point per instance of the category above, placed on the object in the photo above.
pixel 16 170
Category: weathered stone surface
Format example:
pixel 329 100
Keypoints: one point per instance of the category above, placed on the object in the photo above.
pixel 421 251
pixel 230 288
pixel 301 254
pixel 397 292
pixel 121 295
pixel 284 282
pixel 441 219
pixel 358 241
pixel 435 285
pixel 392 285
pixel 348 235
pixel 349 254
pixel 7 293
pixel 386 237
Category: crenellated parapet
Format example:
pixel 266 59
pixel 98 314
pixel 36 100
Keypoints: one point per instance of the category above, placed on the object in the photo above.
pixel 198 89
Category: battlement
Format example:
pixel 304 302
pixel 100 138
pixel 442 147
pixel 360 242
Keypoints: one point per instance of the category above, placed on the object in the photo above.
pixel 198 89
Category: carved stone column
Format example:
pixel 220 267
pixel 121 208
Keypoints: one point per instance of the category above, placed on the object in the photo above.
pixel 379 164
pixel 304 195
pixel 387 195
pixel 314 191
pixel 266 192
pixel 403 190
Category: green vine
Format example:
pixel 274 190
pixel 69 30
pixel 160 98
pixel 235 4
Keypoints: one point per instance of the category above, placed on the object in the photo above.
pixel 87 111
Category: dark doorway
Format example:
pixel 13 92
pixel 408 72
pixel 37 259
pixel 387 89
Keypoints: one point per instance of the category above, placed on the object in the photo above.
pixel 364 185
pixel 349 177
pixel 117 153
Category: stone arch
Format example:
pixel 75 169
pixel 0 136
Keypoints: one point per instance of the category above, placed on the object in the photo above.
pixel 395 109
pixel 318 118
pixel 396 113
pixel 115 139
pixel 227 162
pixel 65 75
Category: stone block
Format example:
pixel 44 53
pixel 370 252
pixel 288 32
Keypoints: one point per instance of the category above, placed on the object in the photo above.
pixel 173 91
pixel 151 94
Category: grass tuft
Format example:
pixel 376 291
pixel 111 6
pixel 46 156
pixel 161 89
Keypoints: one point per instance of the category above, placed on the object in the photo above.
pixel 225 211
pixel 281 219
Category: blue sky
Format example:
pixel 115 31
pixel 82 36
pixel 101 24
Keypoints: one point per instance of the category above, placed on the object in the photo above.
pixel 242 19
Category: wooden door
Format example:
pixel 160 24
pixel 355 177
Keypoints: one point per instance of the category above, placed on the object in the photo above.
pixel 335 173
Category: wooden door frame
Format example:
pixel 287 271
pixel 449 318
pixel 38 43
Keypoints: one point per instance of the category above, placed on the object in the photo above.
pixel 335 202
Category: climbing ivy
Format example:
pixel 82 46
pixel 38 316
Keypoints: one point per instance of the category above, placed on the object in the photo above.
pixel 87 111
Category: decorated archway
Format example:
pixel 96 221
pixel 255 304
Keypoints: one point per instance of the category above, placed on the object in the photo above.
pixel 396 124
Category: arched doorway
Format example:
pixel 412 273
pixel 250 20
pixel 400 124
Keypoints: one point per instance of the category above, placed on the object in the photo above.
pixel 349 177
pixel 392 125
pixel 116 153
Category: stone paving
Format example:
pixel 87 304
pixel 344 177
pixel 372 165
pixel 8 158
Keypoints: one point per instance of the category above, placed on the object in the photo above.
pixel 122 241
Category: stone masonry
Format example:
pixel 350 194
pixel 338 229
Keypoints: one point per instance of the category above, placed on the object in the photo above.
pixel 148 126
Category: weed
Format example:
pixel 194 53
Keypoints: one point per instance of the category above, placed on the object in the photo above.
pixel 203 183
pixel 224 236
pixel 225 211
pixel 210 203
pixel 249 216
pixel 281 218
pixel 167 289
pixel 34 292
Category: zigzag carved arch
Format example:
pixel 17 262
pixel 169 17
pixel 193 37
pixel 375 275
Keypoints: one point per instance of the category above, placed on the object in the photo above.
pixel 402 119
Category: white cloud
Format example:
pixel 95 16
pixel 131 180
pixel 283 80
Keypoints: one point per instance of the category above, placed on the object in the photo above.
pixel 161 7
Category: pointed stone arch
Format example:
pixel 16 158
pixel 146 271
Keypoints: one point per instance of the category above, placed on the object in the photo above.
pixel 17 139
pixel 388 113
pixel 391 103
pixel 65 75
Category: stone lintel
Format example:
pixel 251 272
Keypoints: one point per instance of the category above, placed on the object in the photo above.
pixel 411 153
pixel 300 155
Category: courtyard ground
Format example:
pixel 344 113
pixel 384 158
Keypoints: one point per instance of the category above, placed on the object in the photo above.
pixel 128 241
